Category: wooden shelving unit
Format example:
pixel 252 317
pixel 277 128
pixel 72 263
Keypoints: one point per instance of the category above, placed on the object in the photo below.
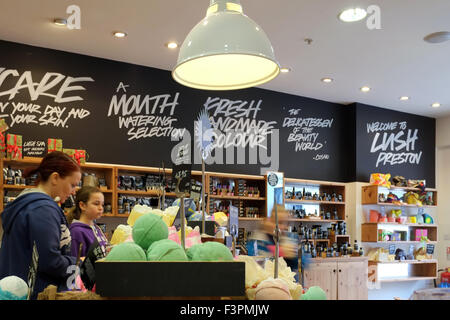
pixel 238 198
pixel 319 187
pixel 417 270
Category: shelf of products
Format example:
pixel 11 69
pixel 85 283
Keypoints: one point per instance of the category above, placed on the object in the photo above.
pixel 246 192
pixel 385 232
pixel 316 203
pixel 399 229
pixel 399 197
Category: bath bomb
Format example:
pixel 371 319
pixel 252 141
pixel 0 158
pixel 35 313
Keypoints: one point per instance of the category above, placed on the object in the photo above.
pixel 166 250
pixel 148 229
pixel 273 289
pixel 209 251
pixel 13 288
pixel 314 293
pixel 127 251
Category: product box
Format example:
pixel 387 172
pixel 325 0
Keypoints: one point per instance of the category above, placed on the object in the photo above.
pixel 2 145
pixel 76 154
pixel 54 145
pixel 14 146
pixel 421 233
pixel 170 279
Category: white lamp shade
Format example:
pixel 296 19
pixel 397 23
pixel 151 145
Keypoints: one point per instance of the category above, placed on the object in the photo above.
pixel 225 51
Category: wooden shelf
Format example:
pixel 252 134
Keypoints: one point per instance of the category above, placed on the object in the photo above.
pixel 313 202
pixel 401 242
pixel 144 193
pixel 398 205
pixel 219 197
pixel 417 270
pixel 400 279
pixel 16 187
pixel 313 220
pixel 250 219
pixel 421 225
pixel 313 183
pixel 409 189
pixel 405 262
pixel 371 193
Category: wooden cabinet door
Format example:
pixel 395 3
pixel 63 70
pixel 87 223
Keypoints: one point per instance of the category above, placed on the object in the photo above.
pixel 323 275
pixel 352 280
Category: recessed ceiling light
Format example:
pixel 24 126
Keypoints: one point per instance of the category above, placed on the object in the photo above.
pixel 404 98
pixel 172 45
pixel 352 15
pixel 119 34
pixel 60 22
pixel 326 80
pixel 365 89
pixel 436 105
pixel 285 70
pixel 438 37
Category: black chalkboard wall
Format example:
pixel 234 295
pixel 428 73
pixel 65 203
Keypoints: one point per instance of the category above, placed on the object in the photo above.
pixel 394 142
pixel 128 114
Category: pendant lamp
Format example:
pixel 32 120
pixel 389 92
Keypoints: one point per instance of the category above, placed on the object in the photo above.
pixel 225 51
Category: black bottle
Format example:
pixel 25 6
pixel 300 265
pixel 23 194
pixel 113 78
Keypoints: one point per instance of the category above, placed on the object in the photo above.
pixel 361 251
pixel 355 246
pixel 10 176
pixel 313 252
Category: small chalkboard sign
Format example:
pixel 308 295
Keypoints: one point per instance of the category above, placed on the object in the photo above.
pixel 234 221
pixel 392 249
pixel 87 269
pixel 196 190
pixel 182 175
pixel 34 148
pixel 430 248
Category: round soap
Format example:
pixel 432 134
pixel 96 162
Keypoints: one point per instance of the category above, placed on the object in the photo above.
pixel 148 229
pixel 166 250
pixel 13 288
pixel 127 251
pixel 209 251
pixel 273 289
pixel 314 293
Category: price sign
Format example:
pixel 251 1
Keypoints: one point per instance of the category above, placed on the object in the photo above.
pixel 391 249
pixel 234 221
pixel 87 268
pixel 430 248
pixel 196 190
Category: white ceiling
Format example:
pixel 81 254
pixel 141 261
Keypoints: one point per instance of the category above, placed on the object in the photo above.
pixel 394 61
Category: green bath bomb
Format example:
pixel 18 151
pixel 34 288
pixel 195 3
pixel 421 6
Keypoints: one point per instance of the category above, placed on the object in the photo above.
pixel 209 251
pixel 166 250
pixel 127 251
pixel 148 229
pixel 314 293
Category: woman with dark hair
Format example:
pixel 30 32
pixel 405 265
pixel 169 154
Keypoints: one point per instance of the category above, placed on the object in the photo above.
pixel 84 231
pixel 35 218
